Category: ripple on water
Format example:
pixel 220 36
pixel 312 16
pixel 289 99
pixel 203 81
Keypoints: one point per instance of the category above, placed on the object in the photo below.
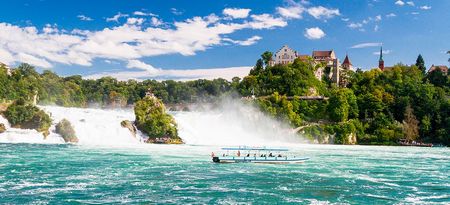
pixel 168 174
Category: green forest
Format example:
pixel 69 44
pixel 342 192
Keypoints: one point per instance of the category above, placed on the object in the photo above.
pixel 375 107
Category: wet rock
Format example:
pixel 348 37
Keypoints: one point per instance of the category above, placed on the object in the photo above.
pixel 65 129
pixel 130 126
pixel 351 138
pixel 2 128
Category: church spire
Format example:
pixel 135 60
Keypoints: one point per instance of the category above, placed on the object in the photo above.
pixel 381 54
pixel 381 61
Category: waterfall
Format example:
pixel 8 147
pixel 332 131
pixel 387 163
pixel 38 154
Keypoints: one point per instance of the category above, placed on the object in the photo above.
pixel 231 123
pixel 92 127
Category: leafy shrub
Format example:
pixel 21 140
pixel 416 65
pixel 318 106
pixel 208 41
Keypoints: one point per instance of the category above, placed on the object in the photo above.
pixel 152 119
pixel 26 116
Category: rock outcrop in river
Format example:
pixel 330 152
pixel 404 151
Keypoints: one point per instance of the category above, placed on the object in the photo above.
pixel 2 128
pixel 152 120
pixel 130 126
pixel 65 129
pixel 27 116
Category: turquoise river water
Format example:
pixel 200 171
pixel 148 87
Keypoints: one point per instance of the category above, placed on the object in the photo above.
pixel 184 174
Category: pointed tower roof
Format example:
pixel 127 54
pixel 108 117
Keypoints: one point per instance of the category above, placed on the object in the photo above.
pixel 381 54
pixel 346 61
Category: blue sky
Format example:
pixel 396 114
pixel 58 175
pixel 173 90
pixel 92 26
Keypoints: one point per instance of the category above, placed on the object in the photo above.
pixel 205 39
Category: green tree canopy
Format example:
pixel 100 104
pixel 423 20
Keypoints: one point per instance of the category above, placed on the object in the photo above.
pixel 266 57
pixel 420 63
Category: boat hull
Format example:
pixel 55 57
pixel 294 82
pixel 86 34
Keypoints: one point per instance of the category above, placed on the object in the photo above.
pixel 260 160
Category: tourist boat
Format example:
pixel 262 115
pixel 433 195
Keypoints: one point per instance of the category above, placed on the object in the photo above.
pixel 256 155
pixel 404 142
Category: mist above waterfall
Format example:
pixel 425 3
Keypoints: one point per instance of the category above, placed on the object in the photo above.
pixel 233 122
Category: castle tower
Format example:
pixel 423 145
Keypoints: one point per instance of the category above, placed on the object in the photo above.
pixel 381 61
pixel 347 65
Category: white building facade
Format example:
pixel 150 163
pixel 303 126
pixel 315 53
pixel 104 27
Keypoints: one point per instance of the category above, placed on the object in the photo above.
pixel 285 55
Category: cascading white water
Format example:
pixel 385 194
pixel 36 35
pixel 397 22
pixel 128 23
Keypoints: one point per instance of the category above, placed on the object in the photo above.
pixel 92 127
pixel 14 135
pixel 231 123
pixel 96 126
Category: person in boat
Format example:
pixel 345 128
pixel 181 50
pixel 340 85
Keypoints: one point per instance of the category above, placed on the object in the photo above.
pixel 248 155
pixel 279 155
pixel 270 154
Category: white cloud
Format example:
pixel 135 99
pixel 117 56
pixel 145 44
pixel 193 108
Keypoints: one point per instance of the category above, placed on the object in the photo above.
pixel 314 33
pixel 176 11
pixel 345 19
pixel 116 17
pixel 266 21
pixel 6 57
pixel 292 12
pixel 182 75
pixel 400 3
pixel 156 22
pixel 425 7
pixel 378 18
pixel 84 18
pixel 135 21
pixel 410 3
pixel 236 13
pixel 48 29
pixel 27 58
pixel 141 65
pixel 132 40
pixel 322 12
pixel 354 25
pixel 141 13
pixel 366 45
pixel 248 42
pixel 415 13
pixel 391 15
pixel 384 52
pixel 376 28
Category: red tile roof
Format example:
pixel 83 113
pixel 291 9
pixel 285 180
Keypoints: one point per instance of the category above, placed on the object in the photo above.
pixel 346 61
pixel 322 53
pixel 443 68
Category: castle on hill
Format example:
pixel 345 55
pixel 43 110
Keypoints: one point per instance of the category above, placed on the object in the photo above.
pixel 328 63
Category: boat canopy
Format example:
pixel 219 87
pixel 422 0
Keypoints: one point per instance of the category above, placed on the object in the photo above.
pixel 256 149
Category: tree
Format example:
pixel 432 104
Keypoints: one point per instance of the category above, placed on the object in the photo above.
pixel 420 63
pixel 448 52
pixel 258 67
pixel 342 105
pixel 410 125
pixel 267 57
pixel 152 119
pixel 437 78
